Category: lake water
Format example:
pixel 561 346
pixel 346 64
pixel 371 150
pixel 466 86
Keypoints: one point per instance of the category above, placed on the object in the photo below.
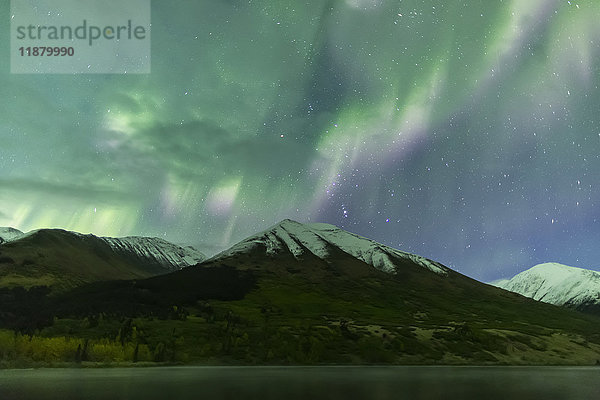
pixel 288 383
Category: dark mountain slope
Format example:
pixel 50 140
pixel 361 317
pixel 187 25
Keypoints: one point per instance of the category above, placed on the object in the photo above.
pixel 63 259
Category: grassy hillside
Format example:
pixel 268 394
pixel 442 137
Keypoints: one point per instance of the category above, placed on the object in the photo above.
pixel 252 309
pixel 62 260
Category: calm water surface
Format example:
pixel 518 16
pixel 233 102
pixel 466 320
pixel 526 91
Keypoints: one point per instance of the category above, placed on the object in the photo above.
pixel 288 383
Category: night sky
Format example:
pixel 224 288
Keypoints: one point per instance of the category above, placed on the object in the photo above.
pixel 464 131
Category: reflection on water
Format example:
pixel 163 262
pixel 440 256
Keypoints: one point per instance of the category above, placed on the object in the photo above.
pixel 290 383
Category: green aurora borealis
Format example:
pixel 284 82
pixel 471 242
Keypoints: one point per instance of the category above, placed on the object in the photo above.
pixel 464 131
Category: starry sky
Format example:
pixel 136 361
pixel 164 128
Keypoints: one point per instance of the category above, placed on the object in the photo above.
pixel 464 131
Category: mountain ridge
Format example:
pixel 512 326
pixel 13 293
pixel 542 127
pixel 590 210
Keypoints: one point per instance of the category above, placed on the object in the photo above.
pixel 292 294
pixel 316 238
pixel 162 251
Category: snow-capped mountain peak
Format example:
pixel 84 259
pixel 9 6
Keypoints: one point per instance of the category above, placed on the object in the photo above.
pixel 557 284
pixel 7 234
pixel 319 239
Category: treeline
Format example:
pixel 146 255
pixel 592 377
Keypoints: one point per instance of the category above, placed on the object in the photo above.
pixel 109 344
pixel 27 311
pixel 156 296
pixel 228 343
pixel 20 348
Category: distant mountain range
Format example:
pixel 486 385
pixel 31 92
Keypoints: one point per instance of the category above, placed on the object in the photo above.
pixel 65 259
pixel 294 293
pixel 558 284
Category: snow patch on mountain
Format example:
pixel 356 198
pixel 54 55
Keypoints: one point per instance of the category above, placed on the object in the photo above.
pixel 318 238
pixel 160 251
pixel 7 234
pixel 557 284
pixel 370 251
